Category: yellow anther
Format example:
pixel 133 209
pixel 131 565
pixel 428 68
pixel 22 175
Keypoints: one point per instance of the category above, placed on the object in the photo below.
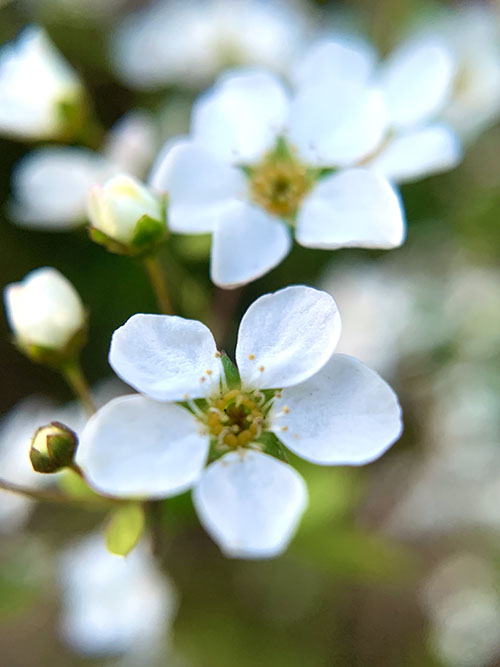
pixel 245 437
pixel 208 371
pixel 254 429
pixel 285 409
pixel 251 357
pixel 217 429
pixel 203 378
pixel 231 440
pixel 217 355
pixel 261 369
pixel 284 428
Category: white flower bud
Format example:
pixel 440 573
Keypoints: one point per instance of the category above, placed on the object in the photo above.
pixel 44 309
pixel 41 96
pixel 119 209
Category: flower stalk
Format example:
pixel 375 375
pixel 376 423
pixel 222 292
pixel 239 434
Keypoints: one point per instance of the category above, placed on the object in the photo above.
pixel 73 374
pixel 158 283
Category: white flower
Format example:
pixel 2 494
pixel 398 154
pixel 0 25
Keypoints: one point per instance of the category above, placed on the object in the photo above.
pixel 472 34
pixel 113 605
pixel 328 409
pixel 189 42
pixel 51 184
pixel 117 208
pixel 39 91
pixel 463 602
pixel 16 431
pixel 416 83
pixel 44 309
pixel 253 170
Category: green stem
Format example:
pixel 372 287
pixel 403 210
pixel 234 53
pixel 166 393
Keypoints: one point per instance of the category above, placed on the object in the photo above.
pixel 73 374
pixel 48 496
pixel 158 283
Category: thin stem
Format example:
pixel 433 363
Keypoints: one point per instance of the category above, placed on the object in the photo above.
pixel 74 376
pixel 158 283
pixel 48 496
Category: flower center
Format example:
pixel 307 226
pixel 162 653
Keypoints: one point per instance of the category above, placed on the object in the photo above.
pixel 279 183
pixel 236 418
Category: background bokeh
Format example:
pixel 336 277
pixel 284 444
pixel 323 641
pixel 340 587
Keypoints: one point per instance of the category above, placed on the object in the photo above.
pixel 396 563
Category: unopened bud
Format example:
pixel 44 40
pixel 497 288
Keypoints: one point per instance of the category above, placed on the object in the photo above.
pixel 53 447
pixel 126 217
pixel 46 315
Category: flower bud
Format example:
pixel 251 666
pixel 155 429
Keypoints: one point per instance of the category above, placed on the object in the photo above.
pixel 125 216
pixel 41 96
pixel 53 447
pixel 46 315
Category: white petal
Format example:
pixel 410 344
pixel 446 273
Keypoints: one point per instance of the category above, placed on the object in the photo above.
pixel 250 503
pixel 417 81
pixel 345 414
pixel 418 153
pixel 247 243
pixel 135 447
pixel 352 208
pixel 51 186
pixel 240 117
pixel 166 357
pixel 346 59
pixel 336 123
pixel 198 185
pixel 286 337
pixel 132 143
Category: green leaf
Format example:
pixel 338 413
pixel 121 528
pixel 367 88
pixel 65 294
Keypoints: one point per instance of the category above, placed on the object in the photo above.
pixel 124 529
pixel 231 372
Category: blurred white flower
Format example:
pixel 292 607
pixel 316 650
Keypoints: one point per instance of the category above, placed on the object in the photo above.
pixel 117 208
pixel 40 94
pixel 187 42
pixel 471 32
pixel 415 82
pixel 329 409
pixel 111 604
pixel 16 430
pixel 254 168
pixel 44 309
pixel 462 597
pixel 50 185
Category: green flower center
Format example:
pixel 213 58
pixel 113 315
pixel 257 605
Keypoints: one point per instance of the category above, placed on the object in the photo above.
pixel 279 182
pixel 236 418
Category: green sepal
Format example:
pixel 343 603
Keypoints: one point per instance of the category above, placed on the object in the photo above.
pixel 73 113
pixel 62 445
pixel 217 450
pixel 231 373
pixel 52 357
pixel 148 235
pixel 124 529
pixel 272 445
pixel 42 463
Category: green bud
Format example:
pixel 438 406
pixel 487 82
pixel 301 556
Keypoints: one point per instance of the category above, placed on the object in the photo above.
pixel 53 447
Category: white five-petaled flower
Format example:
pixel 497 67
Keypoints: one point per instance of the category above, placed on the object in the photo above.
pixel 327 408
pixel 39 91
pixel 260 162
pixel 415 83
pixel 44 309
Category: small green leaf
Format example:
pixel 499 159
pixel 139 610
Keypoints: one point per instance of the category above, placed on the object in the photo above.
pixel 231 372
pixel 124 529
pixel 148 232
